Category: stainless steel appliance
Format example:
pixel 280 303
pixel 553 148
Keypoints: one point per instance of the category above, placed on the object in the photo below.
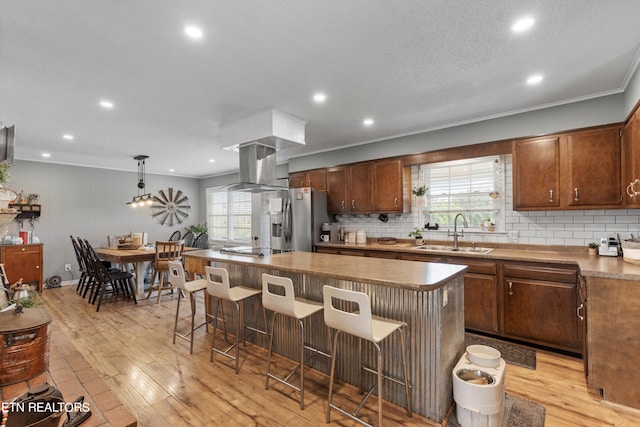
pixel 296 219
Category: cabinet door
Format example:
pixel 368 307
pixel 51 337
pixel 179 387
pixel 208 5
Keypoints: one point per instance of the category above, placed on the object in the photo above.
pixel 481 302
pixel 337 190
pixel 631 159
pixel 316 179
pixel 536 173
pixel 541 312
pixel 387 186
pixel 593 168
pixel 298 179
pixel 359 189
pixel 24 262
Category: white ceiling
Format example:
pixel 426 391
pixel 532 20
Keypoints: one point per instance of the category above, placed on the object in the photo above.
pixel 412 65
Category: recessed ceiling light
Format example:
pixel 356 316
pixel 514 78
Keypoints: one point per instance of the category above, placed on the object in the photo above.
pixel 368 122
pixel 535 79
pixel 522 24
pixel 106 104
pixel 46 155
pixel 212 160
pixel 193 32
pixel 68 137
pixel 319 97
pixel 172 170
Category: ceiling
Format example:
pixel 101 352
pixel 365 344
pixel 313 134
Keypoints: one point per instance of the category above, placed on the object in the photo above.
pixel 411 65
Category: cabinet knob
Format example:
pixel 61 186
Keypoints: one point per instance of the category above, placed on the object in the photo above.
pixel 37 267
pixel 510 288
pixel 395 202
pixel 23 249
pixel 577 195
pixel 343 205
pixel 550 196
pixel 353 204
pixel 580 316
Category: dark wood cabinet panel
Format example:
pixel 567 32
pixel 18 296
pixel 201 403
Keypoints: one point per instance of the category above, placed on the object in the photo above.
pixel 23 262
pixel 359 188
pixel 631 159
pixel 536 173
pixel 337 190
pixel 298 179
pixel 593 168
pixel 481 302
pixel 573 170
pixel 541 312
pixel 387 186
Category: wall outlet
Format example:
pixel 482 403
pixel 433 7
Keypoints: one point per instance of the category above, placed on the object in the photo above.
pixel 67 267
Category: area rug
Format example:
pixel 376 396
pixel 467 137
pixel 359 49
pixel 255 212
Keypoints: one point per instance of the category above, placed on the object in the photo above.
pixel 514 354
pixel 518 412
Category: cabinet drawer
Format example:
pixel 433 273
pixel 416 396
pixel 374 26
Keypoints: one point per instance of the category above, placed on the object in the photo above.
pixel 420 257
pixel 479 267
pixel 536 272
pixel 382 254
pixel 20 249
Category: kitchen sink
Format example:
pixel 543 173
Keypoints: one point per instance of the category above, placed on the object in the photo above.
pixel 443 248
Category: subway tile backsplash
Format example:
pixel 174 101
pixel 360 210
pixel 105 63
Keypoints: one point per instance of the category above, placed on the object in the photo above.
pixel 565 228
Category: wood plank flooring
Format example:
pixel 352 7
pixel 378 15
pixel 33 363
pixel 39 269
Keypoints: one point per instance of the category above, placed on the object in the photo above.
pixel 163 385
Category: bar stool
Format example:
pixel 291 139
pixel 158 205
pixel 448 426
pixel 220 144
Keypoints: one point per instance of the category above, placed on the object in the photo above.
pixel 281 300
pixel 165 252
pixel 218 287
pixel 361 324
pixel 178 280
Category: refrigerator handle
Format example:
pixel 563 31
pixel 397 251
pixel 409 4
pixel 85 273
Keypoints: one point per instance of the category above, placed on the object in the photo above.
pixel 286 220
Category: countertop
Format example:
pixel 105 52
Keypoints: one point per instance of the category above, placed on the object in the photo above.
pixel 387 272
pixel 589 265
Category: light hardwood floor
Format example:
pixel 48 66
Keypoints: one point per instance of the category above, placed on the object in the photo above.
pixel 163 385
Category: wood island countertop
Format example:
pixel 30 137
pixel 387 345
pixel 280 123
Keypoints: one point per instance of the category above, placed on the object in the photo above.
pixel 387 272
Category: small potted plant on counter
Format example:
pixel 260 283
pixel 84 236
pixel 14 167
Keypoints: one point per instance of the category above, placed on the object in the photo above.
pixel 417 234
pixel 593 248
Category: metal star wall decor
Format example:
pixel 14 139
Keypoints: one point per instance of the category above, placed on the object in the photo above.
pixel 170 207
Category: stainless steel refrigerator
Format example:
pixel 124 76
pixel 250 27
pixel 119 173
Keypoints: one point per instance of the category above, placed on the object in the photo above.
pixel 296 219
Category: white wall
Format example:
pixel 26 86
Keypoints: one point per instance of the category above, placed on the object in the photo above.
pixel 90 203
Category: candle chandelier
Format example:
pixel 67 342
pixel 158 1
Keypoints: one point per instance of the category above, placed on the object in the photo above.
pixel 144 199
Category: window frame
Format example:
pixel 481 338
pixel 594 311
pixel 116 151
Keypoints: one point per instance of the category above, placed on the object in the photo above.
pixel 231 215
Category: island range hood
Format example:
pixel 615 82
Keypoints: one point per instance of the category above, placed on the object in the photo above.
pixel 257 138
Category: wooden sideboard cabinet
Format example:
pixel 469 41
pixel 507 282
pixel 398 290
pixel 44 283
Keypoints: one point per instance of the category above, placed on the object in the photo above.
pixel 23 261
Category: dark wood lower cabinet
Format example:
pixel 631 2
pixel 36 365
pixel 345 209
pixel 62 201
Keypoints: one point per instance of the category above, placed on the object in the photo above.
pixel 481 303
pixel 542 313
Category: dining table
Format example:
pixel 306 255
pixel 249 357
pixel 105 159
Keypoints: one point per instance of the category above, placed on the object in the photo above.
pixel 131 257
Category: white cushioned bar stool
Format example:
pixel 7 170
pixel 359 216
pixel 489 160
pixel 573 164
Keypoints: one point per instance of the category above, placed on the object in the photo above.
pixel 363 325
pixel 218 286
pixel 178 280
pixel 278 296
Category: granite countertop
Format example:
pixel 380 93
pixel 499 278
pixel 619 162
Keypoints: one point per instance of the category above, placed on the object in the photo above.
pixel 590 265
pixel 387 272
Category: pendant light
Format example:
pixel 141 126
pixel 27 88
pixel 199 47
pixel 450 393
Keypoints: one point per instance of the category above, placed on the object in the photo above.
pixel 144 199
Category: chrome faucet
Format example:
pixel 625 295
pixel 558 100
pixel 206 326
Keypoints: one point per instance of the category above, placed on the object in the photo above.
pixel 455 230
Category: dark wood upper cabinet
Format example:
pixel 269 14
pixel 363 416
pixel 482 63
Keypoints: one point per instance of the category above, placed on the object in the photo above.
pixel 593 168
pixel 631 159
pixel 574 170
pixel 387 191
pixel 315 179
pixel 337 190
pixel 359 188
pixel 536 173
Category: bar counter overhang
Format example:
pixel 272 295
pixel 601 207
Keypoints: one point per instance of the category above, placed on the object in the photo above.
pixel 429 297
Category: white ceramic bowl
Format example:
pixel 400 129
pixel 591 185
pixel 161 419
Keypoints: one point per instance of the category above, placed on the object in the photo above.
pixel 483 355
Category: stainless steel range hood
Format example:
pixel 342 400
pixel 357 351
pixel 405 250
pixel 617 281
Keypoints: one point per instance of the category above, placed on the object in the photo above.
pixel 257 138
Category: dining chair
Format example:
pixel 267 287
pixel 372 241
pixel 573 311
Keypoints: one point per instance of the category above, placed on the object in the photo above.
pixel 188 239
pixel 175 236
pixel 165 252
pixel 202 241
pixel 81 266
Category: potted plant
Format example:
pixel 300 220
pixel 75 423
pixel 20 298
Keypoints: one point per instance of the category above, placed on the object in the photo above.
pixel 420 193
pixel 417 234
pixel 593 248
pixel 197 229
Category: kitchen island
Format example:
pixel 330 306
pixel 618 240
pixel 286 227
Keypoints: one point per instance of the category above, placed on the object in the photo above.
pixel 429 297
